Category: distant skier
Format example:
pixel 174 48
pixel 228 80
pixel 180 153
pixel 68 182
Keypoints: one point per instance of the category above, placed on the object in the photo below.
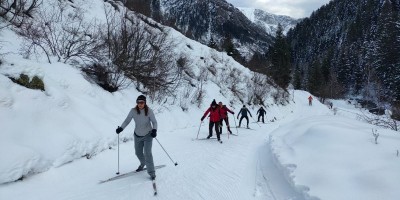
pixel 310 100
pixel 145 131
pixel 261 112
pixel 244 112
pixel 330 105
pixel 215 118
pixel 224 117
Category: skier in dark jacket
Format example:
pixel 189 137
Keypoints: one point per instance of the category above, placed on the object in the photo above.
pixel 215 118
pixel 244 112
pixel 145 131
pixel 224 116
pixel 261 112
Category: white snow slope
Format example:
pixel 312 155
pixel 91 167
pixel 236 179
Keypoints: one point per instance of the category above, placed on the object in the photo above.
pixel 63 142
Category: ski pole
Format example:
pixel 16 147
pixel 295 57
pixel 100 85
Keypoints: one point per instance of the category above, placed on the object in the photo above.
pixel 227 128
pixel 118 156
pixel 255 121
pixel 199 130
pixel 237 132
pixel 175 163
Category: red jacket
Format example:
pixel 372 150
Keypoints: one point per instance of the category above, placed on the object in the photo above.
pixel 215 115
pixel 224 112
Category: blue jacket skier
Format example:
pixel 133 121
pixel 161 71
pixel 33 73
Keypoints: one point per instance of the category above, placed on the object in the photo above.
pixel 244 112
pixel 261 112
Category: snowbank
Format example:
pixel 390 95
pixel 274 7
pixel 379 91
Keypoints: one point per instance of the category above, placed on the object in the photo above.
pixel 332 157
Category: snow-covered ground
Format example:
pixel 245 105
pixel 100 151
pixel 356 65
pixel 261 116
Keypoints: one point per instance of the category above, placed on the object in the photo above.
pixel 306 153
pixel 62 142
pixel 335 156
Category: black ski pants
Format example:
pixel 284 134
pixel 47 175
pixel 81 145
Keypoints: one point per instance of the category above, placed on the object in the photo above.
pixel 240 121
pixel 261 116
pixel 216 129
pixel 227 125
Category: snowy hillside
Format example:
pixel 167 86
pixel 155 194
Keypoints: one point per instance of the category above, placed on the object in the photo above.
pixel 269 22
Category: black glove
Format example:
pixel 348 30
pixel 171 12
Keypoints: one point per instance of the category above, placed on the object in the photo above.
pixel 153 133
pixel 119 130
pixel 202 118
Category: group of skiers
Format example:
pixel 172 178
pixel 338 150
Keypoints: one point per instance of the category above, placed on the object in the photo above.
pixel 219 113
pixel 146 128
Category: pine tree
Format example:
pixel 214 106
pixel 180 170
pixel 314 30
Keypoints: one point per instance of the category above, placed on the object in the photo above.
pixel 326 67
pixel 388 59
pixel 212 44
pixel 279 56
pixel 228 45
pixel 257 63
pixel 315 83
pixel 297 79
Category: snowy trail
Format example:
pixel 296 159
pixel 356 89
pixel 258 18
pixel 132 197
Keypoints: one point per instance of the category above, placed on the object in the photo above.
pixel 240 168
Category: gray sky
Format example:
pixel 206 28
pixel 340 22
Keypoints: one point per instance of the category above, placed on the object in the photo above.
pixel 293 8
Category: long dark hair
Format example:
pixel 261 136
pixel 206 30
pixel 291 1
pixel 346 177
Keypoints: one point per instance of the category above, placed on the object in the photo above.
pixel 146 109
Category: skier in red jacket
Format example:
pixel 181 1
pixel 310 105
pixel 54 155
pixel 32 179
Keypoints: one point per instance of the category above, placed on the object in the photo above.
pixel 310 100
pixel 224 117
pixel 215 118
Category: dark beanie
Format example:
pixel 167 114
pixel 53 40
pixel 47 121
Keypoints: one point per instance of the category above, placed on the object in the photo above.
pixel 141 98
pixel 214 103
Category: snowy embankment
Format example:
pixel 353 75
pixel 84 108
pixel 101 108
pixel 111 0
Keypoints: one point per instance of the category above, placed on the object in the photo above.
pixel 47 129
pixel 335 156
pixel 72 118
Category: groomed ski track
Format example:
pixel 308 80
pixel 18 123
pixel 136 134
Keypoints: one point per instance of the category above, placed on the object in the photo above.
pixel 241 168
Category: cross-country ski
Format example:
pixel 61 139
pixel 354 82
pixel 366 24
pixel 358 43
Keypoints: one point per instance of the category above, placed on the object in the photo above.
pixel 154 187
pixel 129 174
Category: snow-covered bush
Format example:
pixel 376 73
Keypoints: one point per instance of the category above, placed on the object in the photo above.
pixel 385 121
pixel 280 96
pixel 258 89
pixel 199 93
pixel 60 31
pixel 36 83
pixel 17 12
pixel 108 76
pixel 22 80
pixel 376 135
pixel 234 79
pixel 139 51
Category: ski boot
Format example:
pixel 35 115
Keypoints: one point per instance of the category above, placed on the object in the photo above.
pixel 140 168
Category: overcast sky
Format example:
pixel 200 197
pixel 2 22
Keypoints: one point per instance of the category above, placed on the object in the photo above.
pixel 293 8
